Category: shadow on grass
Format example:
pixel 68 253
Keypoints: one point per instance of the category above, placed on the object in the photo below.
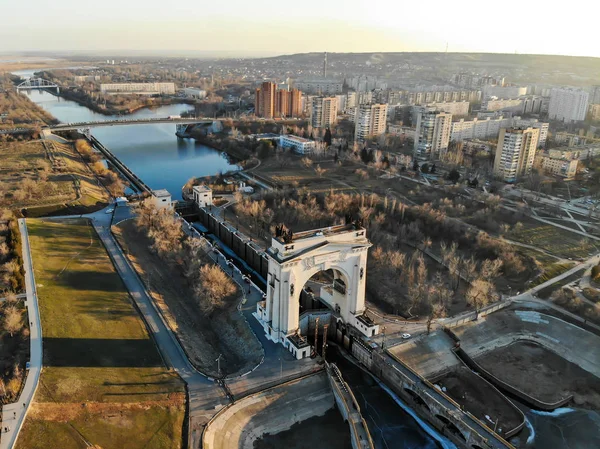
pixel 100 353
pixel 90 280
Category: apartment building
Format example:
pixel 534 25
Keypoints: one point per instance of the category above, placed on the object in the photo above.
pixel 533 123
pixel 515 152
pixel 478 128
pixel 595 111
pixel 569 105
pixel 264 101
pixel 432 134
pixel 323 112
pixel 566 168
pixel 370 120
pixel 456 108
pixel 320 87
pixel 271 102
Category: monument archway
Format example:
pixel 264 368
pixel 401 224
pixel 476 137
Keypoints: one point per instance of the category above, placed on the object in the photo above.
pixel 294 259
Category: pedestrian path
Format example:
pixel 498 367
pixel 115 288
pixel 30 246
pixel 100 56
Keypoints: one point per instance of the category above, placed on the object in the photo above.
pixel 13 415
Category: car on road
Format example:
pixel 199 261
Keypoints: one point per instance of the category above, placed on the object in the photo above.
pixel 246 279
pixel 229 263
pixel 109 211
pixel 406 336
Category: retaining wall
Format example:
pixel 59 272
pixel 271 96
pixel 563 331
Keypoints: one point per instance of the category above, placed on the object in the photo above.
pixel 271 411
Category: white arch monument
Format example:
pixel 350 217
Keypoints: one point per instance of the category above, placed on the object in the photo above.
pixel 294 259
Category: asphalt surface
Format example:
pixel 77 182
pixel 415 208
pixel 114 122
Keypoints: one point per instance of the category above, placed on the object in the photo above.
pixel 13 415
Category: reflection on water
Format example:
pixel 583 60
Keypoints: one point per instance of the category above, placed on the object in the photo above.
pixel 564 428
pixel 153 151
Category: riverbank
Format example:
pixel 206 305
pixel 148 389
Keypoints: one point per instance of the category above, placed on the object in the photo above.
pixel 88 103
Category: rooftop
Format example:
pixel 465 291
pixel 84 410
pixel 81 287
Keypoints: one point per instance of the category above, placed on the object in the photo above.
pixel 201 188
pixel 296 138
pixel 160 193
pixel 324 232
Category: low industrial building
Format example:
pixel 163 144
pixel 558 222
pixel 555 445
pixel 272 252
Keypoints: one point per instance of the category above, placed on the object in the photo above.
pixel 138 88
pixel 192 92
pixel 202 195
pixel 162 199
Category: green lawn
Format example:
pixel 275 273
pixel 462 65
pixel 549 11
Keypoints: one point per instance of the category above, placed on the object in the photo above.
pixel 103 380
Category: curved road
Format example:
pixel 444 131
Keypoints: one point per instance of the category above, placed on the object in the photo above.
pixel 13 415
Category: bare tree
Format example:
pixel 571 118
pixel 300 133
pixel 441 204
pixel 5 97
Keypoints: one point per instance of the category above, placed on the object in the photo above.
pixel 480 294
pixel 213 287
pixel 320 171
pixel 13 320
pixel 306 162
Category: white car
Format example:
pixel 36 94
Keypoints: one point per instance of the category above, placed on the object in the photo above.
pixel 406 336
pixel 109 211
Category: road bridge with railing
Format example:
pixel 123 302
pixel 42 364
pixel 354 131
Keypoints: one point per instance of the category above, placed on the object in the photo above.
pixel 136 121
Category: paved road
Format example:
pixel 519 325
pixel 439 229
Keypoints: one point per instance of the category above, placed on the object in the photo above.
pixel 13 415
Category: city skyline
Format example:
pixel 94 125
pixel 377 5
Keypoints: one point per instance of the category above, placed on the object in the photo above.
pixel 383 26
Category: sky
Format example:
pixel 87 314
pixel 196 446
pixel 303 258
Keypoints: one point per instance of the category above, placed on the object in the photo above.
pixel 268 27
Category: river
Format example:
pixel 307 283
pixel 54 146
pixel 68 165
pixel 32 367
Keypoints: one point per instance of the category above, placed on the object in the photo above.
pixel 152 152
pixel 162 160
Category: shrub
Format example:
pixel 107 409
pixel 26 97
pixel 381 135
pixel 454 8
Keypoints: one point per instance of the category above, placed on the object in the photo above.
pixel 596 273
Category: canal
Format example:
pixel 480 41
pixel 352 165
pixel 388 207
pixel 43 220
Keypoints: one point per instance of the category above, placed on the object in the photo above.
pixel 162 160
pixel 153 151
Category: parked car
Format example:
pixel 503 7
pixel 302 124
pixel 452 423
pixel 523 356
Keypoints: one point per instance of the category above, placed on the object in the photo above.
pixel 109 211
pixel 406 336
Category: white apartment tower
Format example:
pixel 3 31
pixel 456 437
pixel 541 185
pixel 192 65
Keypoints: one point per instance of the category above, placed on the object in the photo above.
pixel 568 104
pixel 370 121
pixel 432 135
pixel 515 152
pixel 323 112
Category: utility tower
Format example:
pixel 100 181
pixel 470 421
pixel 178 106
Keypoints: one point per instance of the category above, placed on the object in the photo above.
pixel 325 66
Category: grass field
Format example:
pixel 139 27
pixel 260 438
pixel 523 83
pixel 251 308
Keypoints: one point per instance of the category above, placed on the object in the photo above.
pixel 47 181
pixel 559 242
pixel 103 381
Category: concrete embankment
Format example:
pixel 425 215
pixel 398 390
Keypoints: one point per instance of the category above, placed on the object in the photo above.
pixel 271 411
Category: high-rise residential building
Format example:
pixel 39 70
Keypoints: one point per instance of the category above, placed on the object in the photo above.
pixel 281 103
pixel 370 120
pixel 271 102
pixel 323 112
pixel 264 104
pixel 595 112
pixel 595 95
pixel 295 103
pixel 534 123
pixel 568 104
pixel 515 152
pixel 432 135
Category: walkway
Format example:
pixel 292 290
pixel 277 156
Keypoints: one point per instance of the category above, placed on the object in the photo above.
pixel 205 396
pixel 19 296
pixel 13 415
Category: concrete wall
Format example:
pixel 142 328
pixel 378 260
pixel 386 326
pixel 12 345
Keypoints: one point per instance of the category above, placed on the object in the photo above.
pixel 350 410
pixel 239 243
pixel 271 411
pixel 472 316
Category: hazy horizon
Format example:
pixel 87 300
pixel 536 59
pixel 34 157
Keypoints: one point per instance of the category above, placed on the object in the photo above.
pixel 269 28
